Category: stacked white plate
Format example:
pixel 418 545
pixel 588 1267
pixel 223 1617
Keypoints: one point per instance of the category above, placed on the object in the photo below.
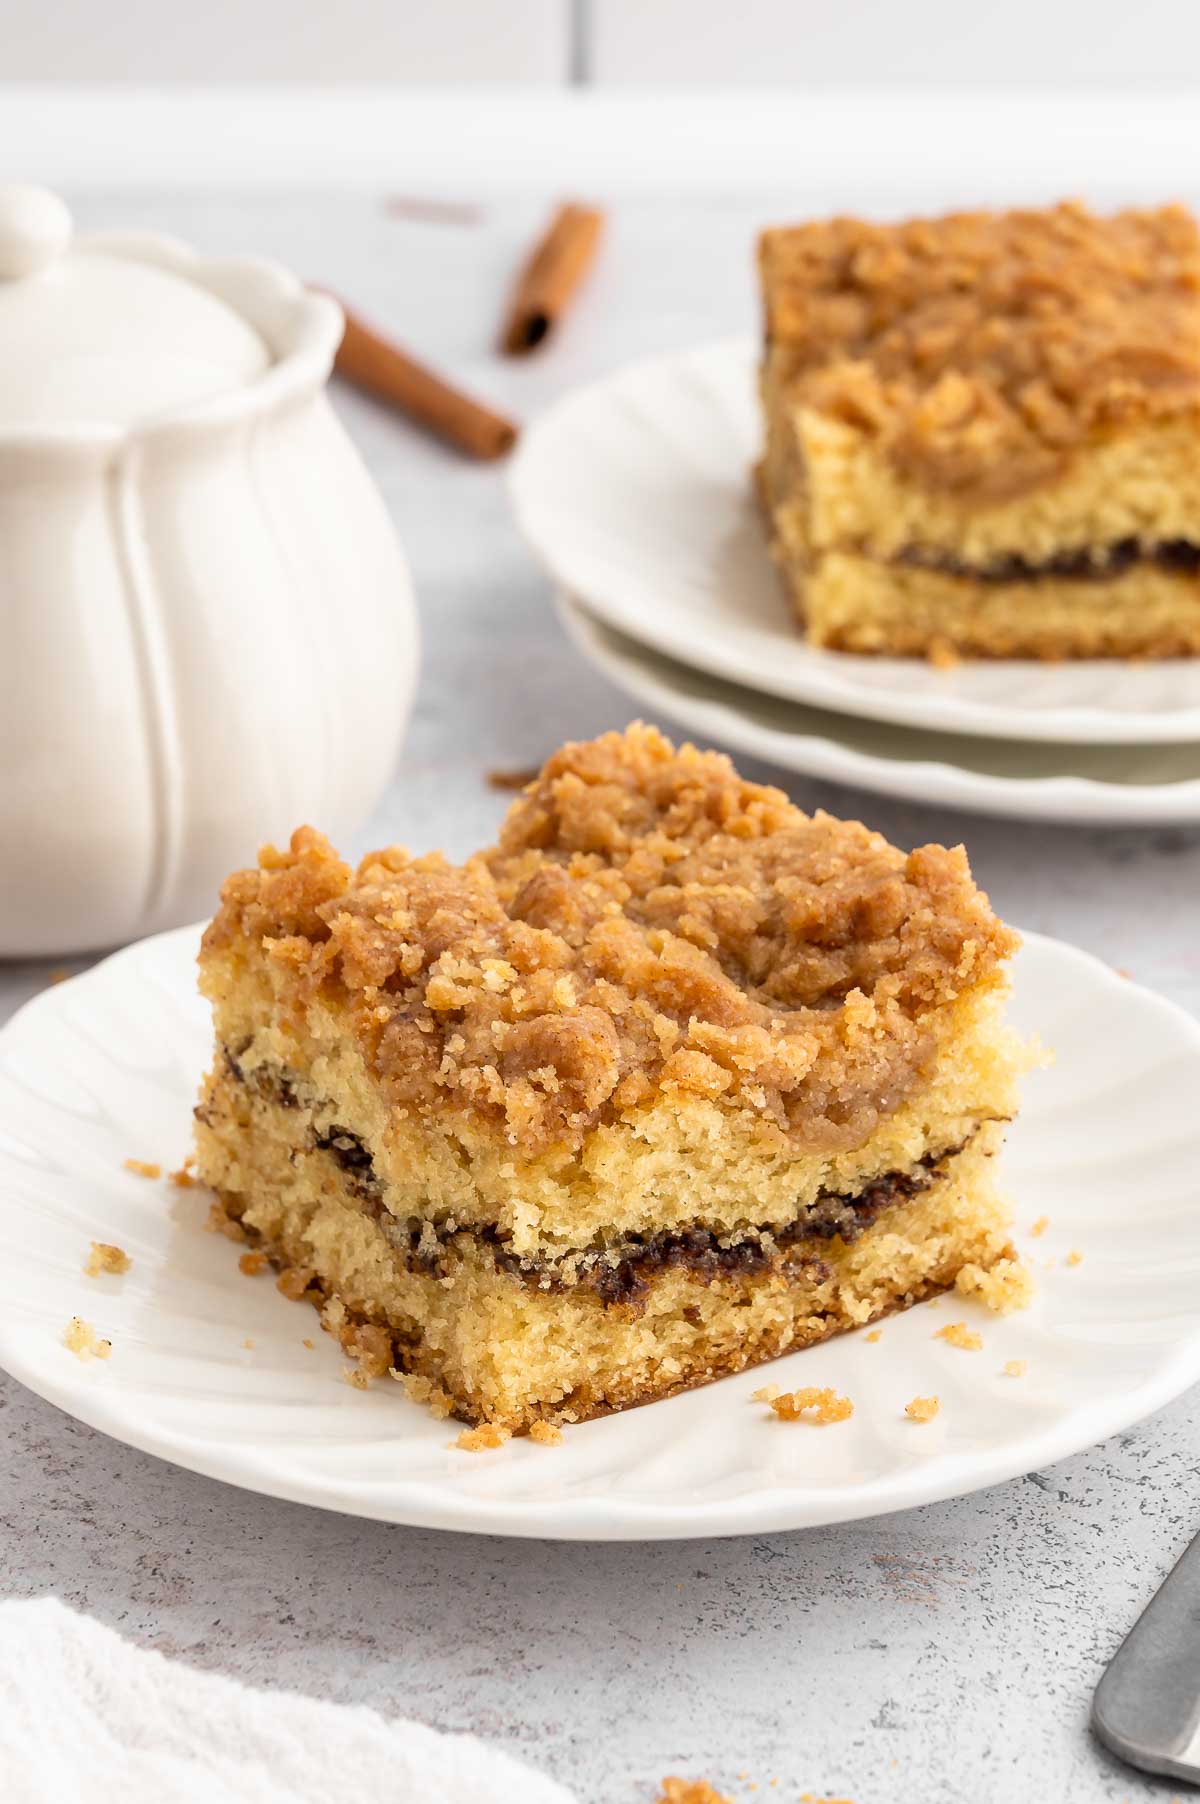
pixel 635 493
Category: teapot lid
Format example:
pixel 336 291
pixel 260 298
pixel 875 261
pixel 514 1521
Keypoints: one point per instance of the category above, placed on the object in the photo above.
pixel 93 335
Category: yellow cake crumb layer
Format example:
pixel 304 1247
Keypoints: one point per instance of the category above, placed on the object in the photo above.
pixel 506 1352
pixel 856 604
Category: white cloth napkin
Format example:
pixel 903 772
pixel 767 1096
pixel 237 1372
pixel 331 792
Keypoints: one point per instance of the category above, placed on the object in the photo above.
pixel 86 1715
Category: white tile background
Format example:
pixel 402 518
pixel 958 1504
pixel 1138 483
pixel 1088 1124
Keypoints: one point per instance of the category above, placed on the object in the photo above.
pixel 617 42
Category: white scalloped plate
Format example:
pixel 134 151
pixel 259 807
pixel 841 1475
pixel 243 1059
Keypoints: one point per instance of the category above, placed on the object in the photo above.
pixel 1112 785
pixel 104 1067
pixel 635 493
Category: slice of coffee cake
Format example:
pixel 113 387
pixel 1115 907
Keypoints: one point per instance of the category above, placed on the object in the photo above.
pixel 983 432
pixel 672 1080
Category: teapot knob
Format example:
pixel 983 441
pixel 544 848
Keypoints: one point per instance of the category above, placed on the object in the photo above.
pixel 35 229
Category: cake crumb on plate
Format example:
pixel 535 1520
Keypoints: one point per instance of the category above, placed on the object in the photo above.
pixel 252 1264
pixel 875 1334
pixel 1039 1227
pixel 106 1258
pixel 1074 1257
pixel 488 1434
pixel 814 1403
pixel 957 1334
pixel 143 1168
pixel 546 1433
pixel 81 1339
pixel 1015 1368
pixel 922 1409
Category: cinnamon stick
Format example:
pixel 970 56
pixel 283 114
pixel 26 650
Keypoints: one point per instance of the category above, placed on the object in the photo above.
pixel 380 368
pixel 548 280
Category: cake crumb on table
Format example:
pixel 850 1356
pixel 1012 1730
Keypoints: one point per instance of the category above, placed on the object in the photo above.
pixel 957 1334
pixel 488 1434
pixel 922 1409
pixel 513 779
pixel 546 1433
pixel 1002 1287
pixel 252 1264
pixel 820 1404
pixel 106 1258
pixel 1015 1368
pixel 143 1168
pixel 81 1339
pixel 691 1791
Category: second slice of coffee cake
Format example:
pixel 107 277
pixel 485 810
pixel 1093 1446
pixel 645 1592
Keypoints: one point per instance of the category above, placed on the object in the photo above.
pixel 983 432
pixel 673 1080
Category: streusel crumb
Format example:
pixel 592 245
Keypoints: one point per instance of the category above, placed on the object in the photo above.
pixel 477 1440
pixel 812 1404
pixel 1003 1287
pixel 691 1791
pixel 957 1334
pixel 546 1433
pixel 922 1409
pixel 81 1339
pixel 1015 1368
pixel 106 1258
pixel 143 1168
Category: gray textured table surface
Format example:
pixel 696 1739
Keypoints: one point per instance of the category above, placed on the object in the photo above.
pixel 945 1654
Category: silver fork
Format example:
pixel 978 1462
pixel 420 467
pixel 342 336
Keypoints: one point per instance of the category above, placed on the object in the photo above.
pixel 1147 1705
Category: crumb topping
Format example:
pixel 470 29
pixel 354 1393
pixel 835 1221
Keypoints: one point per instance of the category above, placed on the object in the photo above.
pixel 81 1339
pixel 812 1404
pixel 981 350
pixel 923 1409
pixel 1002 1287
pixel 546 1433
pixel 957 1334
pixel 649 924
pixel 478 1440
pixel 143 1168
pixel 106 1258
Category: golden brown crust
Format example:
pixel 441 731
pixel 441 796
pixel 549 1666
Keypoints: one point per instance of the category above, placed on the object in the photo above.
pixel 981 350
pixel 649 923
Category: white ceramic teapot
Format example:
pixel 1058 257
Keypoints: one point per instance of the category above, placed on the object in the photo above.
pixel 207 632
